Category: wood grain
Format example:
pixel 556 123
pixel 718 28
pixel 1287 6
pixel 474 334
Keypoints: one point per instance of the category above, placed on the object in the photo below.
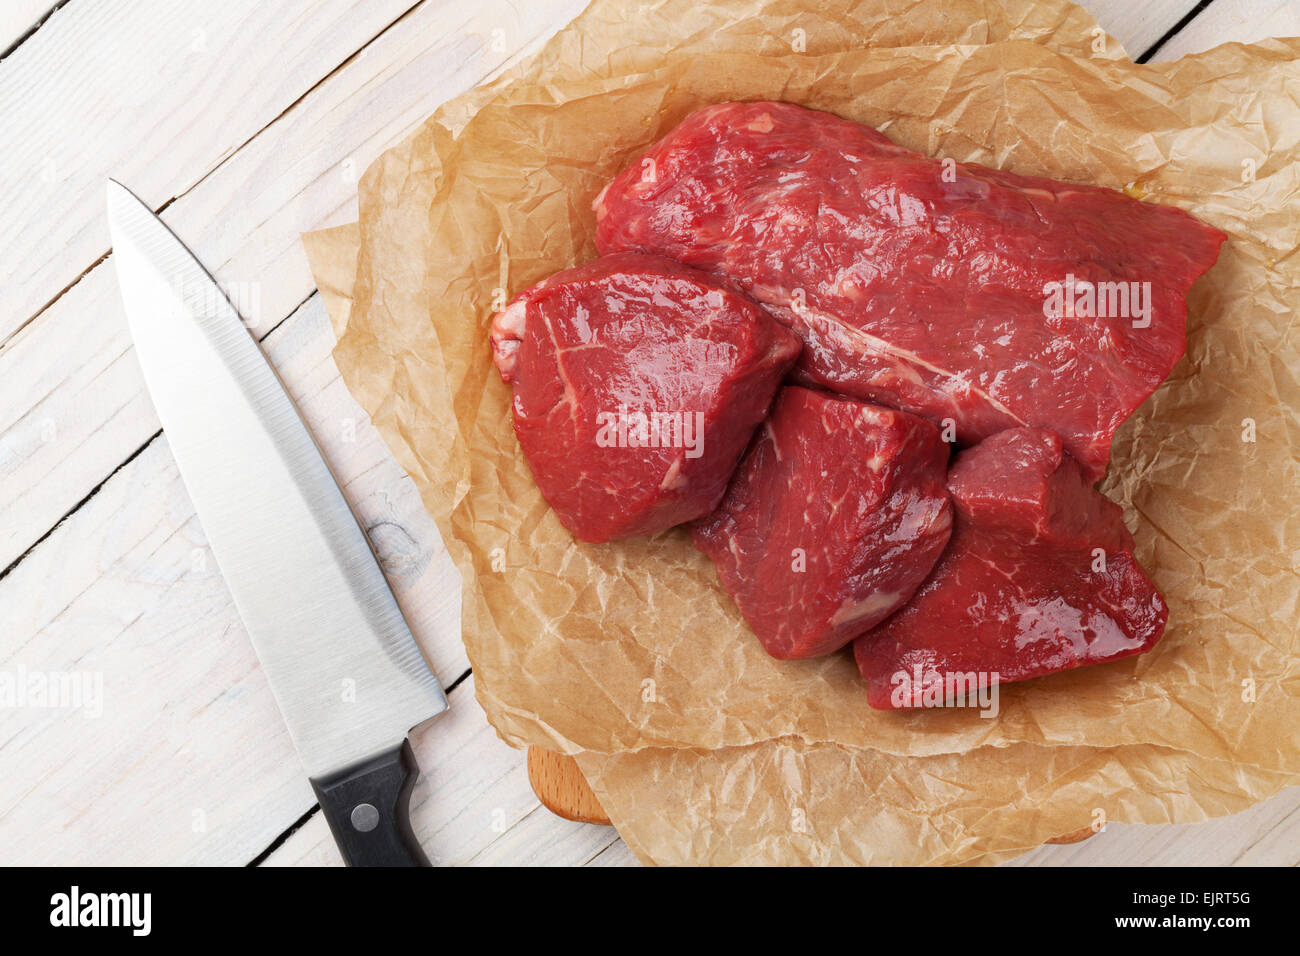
pixel 177 88
pixel 18 17
pixel 72 402
pixel 189 735
pixel 1139 26
pixel 1239 21
pixel 106 418
pixel 562 788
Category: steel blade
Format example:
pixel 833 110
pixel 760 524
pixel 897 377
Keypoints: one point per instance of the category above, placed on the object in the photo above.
pixel 346 672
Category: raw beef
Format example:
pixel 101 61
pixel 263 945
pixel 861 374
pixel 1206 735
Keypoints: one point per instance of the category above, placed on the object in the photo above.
pixel 835 516
pixel 919 284
pixel 637 384
pixel 1039 577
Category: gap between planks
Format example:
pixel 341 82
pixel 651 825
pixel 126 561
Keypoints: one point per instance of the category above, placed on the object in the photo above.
pixel 178 87
pixel 82 337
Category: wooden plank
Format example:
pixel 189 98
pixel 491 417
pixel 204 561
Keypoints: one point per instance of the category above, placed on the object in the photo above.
pixel 73 406
pixel 560 786
pixel 616 854
pixel 18 17
pixel 125 592
pixel 1234 21
pixel 1268 834
pixel 473 805
pixel 155 93
pixel 1138 26
pixel 189 748
pixel 72 402
pixel 1278 845
pixel 276 797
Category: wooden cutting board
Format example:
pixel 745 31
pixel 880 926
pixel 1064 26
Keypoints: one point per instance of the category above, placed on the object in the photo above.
pixel 563 790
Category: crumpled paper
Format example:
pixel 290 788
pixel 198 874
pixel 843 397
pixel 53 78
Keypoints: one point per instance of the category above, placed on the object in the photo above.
pixel 633 645
pixel 786 802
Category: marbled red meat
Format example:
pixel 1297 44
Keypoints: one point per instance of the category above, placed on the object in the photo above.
pixel 923 285
pixel 1039 577
pixel 834 517
pixel 637 385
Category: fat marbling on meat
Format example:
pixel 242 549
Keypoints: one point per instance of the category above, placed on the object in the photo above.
pixel 638 382
pixel 954 291
pixel 1039 577
pixel 835 515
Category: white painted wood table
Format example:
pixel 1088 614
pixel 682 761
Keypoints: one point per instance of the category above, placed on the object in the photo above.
pixel 247 123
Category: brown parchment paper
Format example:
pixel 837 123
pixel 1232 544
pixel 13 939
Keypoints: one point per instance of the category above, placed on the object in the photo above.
pixel 786 802
pixel 493 193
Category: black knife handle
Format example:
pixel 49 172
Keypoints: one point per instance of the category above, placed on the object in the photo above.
pixel 368 808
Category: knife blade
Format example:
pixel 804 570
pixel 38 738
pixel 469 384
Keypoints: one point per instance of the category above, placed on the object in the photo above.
pixel 345 670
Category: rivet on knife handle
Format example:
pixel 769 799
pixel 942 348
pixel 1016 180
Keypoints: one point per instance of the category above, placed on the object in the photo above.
pixel 367 807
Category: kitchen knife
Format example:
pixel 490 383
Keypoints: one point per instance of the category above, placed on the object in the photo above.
pixel 344 668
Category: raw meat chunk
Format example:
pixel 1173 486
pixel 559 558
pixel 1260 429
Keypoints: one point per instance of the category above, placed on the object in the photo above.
pixel 953 291
pixel 637 385
pixel 835 516
pixel 1039 577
